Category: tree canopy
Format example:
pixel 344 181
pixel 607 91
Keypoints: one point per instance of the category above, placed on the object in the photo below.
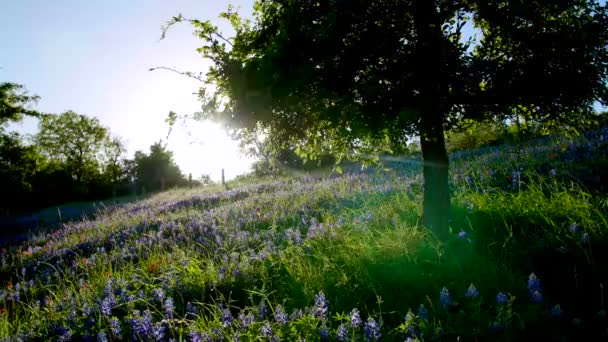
pixel 356 77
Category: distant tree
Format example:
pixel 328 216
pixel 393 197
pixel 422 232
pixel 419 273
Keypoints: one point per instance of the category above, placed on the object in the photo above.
pixel 354 76
pixel 157 170
pixel 114 150
pixel 75 140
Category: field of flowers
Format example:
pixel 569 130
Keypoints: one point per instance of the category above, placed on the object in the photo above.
pixel 335 258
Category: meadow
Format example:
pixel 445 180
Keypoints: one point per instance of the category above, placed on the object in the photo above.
pixel 333 258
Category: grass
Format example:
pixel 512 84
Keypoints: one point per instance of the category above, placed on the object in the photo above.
pixel 321 258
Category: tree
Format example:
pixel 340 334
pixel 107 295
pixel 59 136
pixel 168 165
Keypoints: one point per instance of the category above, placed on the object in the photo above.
pixel 14 101
pixel 114 150
pixel 358 76
pixel 157 170
pixel 75 140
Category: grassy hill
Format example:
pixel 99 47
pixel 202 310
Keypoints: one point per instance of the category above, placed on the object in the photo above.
pixel 333 258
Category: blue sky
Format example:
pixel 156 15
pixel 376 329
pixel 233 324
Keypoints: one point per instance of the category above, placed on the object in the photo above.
pixel 93 57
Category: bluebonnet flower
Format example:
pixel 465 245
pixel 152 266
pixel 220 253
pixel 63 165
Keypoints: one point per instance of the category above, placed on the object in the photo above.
pixel 115 327
pixel 423 313
pixel 191 311
pixel 296 314
pixel 262 310
pixel 342 333
pixel 556 311
pixel 462 234
pixel 102 337
pixel 472 292
pixel 444 297
pixel 108 290
pixel 221 273
pixel 321 304
pixel 280 315
pixel 536 297
pixel 410 320
pixel 372 329
pixel 266 330
pixel 226 317
pixel 195 336
pixel 574 228
pixel 533 283
pixel 142 325
pixel 246 320
pixel 497 326
pixel 323 333
pixel 169 307
pixel 501 298
pixel 585 238
pixel 107 304
pixel 158 332
pixel 157 293
pixel 355 318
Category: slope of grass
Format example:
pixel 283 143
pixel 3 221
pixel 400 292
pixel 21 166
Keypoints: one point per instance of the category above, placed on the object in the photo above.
pixel 339 258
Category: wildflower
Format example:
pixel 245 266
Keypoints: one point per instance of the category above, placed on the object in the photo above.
pixel 195 336
pixel 169 307
pixel 355 319
pixel 115 327
pixel 323 333
pixel 537 297
pixel 423 313
pixel 372 329
pixel 497 326
pixel 102 337
pixel 158 332
pixel 266 330
pixel 280 315
pixel 533 283
pixel 262 310
pixel 553 173
pixel 246 320
pixel 462 234
pixel 158 294
pixel 107 305
pixel 226 317
pixel 342 333
pixel 556 311
pixel 472 292
pixel 574 228
pixel 320 308
pixel 501 298
pixel 585 238
pixel 444 297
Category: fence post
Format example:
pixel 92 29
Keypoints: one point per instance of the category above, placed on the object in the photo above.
pixel 223 179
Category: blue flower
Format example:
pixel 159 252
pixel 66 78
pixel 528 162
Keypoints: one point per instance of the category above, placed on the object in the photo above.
pixel 267 330
pixel 372 329
pixel 321 304
pixel 280 315
pixel 501 298
pixel 444 297
pixel 169 307
pixel 226 317
pixel 342 333
pixel 472 292
pixel 323 333
pixel 115 327
pixel 262 310
pixel 355 318
pixel 423 313
pixel 158 294
pixel 556 311
pixel 246 320
pixel 107 305
pixel 533 283
pixel 574 228
pixel 536 297
pixel 462 234
pixel 102 337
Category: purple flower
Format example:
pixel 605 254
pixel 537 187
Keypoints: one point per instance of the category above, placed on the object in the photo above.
pixel 556 311
pixel 472 292
pixel 195 336
pixel 246 320
pixel 266 330
pixel 115 327
pixel 280 315
pixel 262 310
pixel 372 329
pixel 107 305
pixel 355 318
pixel 423 313
pixel 342 333
pixel 226 317
pixel 533 283
pixel 169 307
pixel 158 294
pixel 444 297
pixel 574 228
pixel 321 304
pixel 323 333
pixel 462 234
pixel 501 298
pixel 102 337
pixel 536 297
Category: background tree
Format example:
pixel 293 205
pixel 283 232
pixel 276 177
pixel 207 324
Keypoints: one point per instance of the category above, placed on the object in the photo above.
pixel 114 150
pixel 157 170
pixel 353 77
pixel 15 103
pixel 73 139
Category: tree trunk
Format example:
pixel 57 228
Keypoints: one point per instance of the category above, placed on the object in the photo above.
pixel 432 59
pixel 436 205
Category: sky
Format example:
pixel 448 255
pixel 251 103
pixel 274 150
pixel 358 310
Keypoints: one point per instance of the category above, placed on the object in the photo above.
pixel 93 57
